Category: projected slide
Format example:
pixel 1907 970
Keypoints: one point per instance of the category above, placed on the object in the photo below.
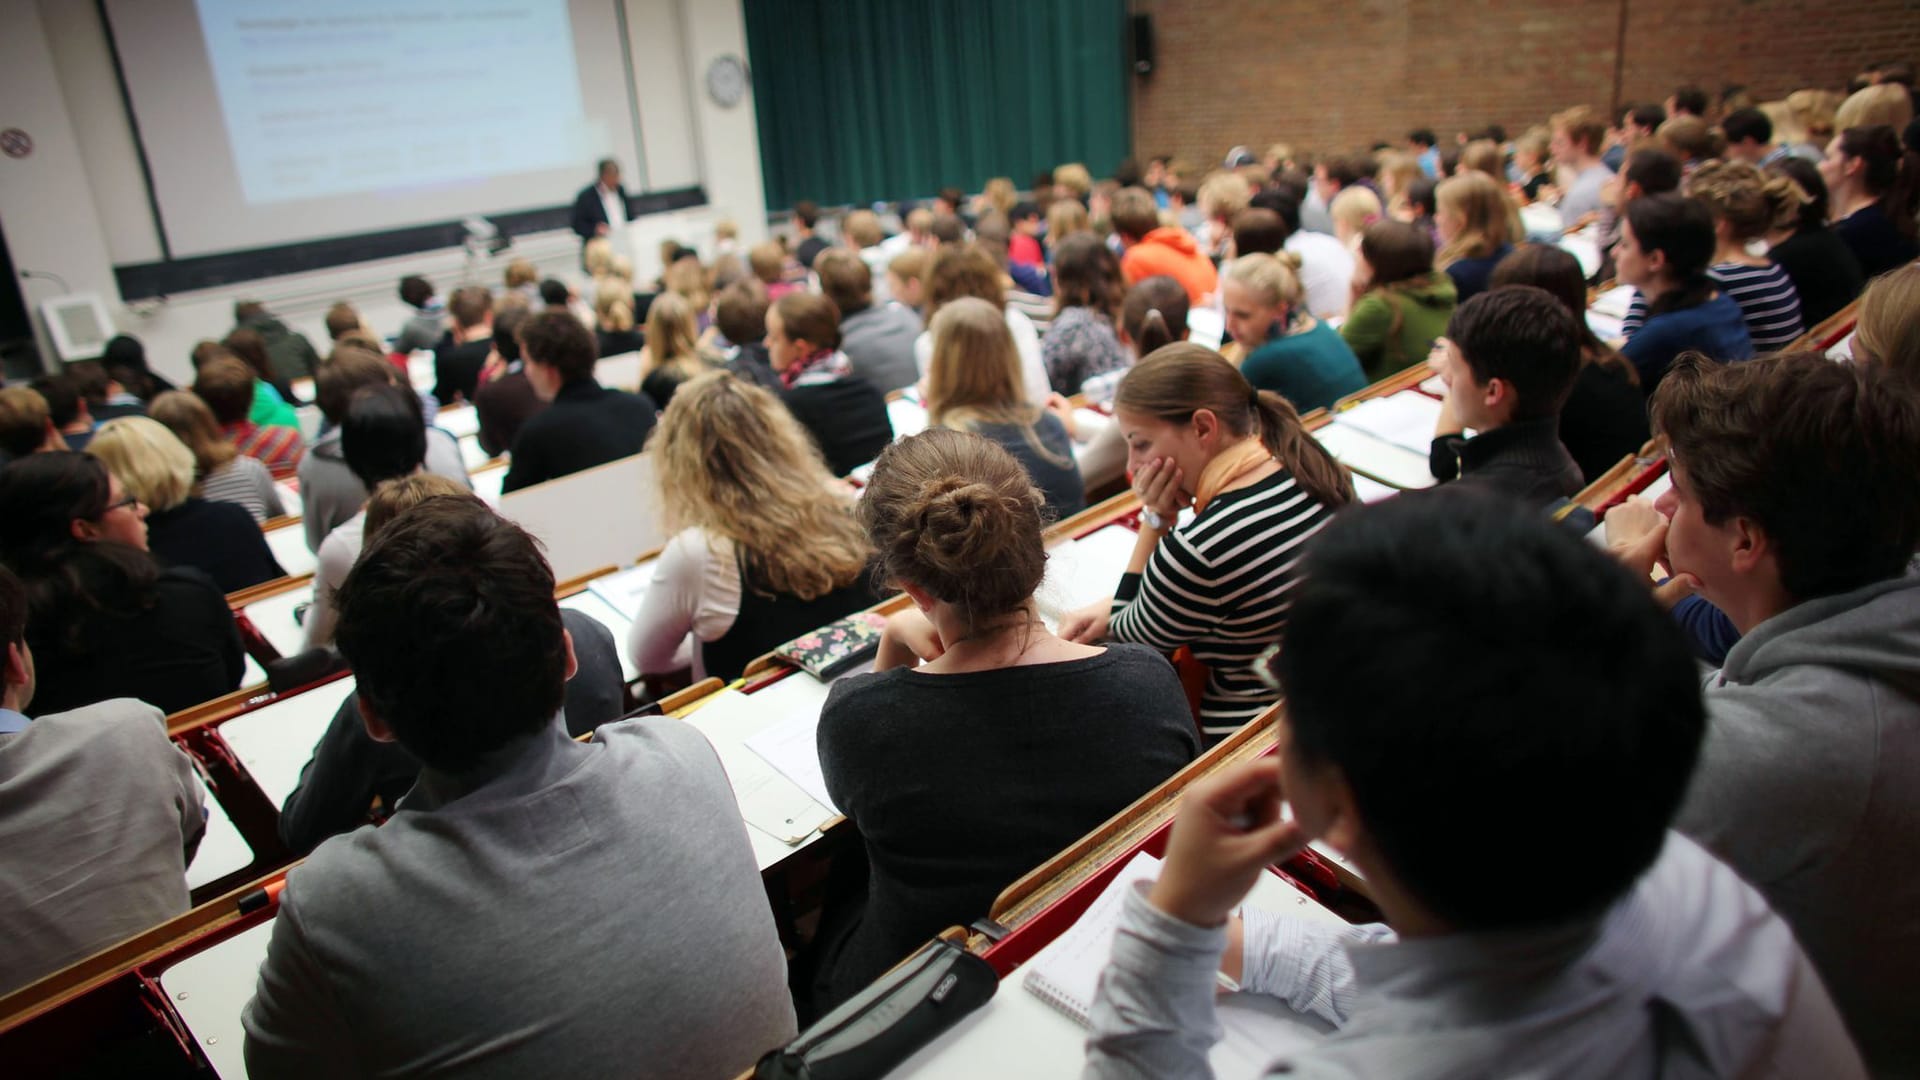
pixel 394 96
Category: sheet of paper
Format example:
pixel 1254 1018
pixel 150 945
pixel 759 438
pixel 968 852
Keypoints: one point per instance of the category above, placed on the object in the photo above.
pixel 780 814
pixel 1406 419
pixel 289 497
pixel 1435 385
pixel 1377 458
pixel 908 417
pixel 471 454
pixel 459 421
pixel 790 745
pixel 1369 490
pixel 289 546
pixel 1082 571
pixel 486 484
pixel 211 987
pixel 222 849
pixel 276 620
pixel 1842 351
pixel 1206 326
pixel 625 590
pixel 1614 301
pixel 274 742
pixel 1605 327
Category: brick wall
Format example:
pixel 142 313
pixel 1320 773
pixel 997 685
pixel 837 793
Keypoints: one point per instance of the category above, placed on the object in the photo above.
pixel 1341 76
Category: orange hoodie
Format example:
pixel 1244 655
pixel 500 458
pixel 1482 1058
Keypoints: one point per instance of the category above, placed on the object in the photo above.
pixel 1173 252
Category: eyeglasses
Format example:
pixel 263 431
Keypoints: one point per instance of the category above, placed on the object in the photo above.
pixel 126 502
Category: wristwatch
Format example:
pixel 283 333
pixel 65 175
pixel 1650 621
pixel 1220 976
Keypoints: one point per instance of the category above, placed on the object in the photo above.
pixel 1154 521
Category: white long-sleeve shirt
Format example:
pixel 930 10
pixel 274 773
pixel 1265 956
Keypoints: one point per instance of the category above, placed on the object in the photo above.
pixel 695 595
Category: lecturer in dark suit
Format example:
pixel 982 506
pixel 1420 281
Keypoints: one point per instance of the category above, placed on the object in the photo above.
pixel 586 424
pixel 600 205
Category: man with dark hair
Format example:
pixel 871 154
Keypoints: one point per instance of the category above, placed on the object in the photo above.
pixel 585 423
pixel 458 360
pixel 1509 360
pixel 330 493
pixel 600 207
pixel 507 401
pixel 66 409
pixel 427 326
pixel 1791 511
pixel 1750 137
pixel 1637 124
pixel 806 218
pixel 1425 148
pixel 1151 249
pixel 529 883
pixel 1628 950
pixel 1023 246
pixel 1326 265
pixel 878 339
pixel 71 891
pixel 227 385
pixel 740 313
pixel 106 398
pixel 1688 101
pixel 290 355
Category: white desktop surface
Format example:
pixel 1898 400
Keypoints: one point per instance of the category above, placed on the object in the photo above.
pixel 487 483
pixel 290 498
pixel 222 849
pixel 274 742
pixel 211 987
pixel 459 421
pixel 587 603
pixel 274 618
pixel 289 546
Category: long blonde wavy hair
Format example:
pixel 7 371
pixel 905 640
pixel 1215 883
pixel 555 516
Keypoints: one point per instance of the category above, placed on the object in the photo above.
pixel 733 461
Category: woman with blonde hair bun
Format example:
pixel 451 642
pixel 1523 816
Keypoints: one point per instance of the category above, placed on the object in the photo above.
pixel 1475 221
pixel 973 384
pixel 1200 437
pixel 613 331
pixel 156 468
pixel 766 546
pixel 1288 351
pixel 672 353
pixel 1060 736
pixel 1747 205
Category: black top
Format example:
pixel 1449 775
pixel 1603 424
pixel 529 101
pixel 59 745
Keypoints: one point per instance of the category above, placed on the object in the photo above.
pixel 751 364
pixel 217 537
pixel 616 342
pixel 348 770
pixel 182 650
pixel 847 417
pixel 1523 460
pixel 808 250
pixel 586 425
pixel 1053 471
pixel 456 369
pixel 504 406
pixel 767 620
pixel 1604 420
pixel 1824 271
pixel 1471 276
pixel 959 784
pixel 1871 235
pixel 589 211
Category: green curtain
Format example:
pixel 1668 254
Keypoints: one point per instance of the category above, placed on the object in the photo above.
pixel 864 100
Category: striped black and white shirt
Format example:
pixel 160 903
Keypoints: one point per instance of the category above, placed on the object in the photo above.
pixel 244 482
pixel 1221 585
pixel 1767 298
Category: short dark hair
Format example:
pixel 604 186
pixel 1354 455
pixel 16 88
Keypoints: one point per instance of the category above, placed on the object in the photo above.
pixel 740 312
pixel 1681 229
pixel 553 293
pixel 415 291
pixel 1422 137
pixel 13 609
pixel 807 212
pixel 342 374
pixel 90 378
pixel 1421 195
pixel 1134 212
pixel 948 229
pixel 1523 335
pixel 1690 99
pixel 951 195
pixel 1749 123
pixel 1345 171
pixel 248 309
pixel 1258 230
pixel 1397 251
pixel 846 280
pixel 383 435
pixel 557 339
pixel 225 383
pixel 62 395
pixel 1648 116
pixel 1656 171
pixel 1551 619
pixel 1284 199
pixel 449 622
pixel 1024 210
pixel 506 330
pixel 1811 450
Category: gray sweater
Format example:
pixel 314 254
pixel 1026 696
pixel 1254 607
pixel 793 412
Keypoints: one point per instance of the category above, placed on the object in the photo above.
pixel 566 909
pixel 1809 785
pixel 879 340
pixel 330 493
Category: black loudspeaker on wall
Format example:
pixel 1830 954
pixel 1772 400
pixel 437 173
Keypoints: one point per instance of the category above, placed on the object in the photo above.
pixel 1143 45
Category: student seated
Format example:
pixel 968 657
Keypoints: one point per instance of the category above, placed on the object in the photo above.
pixel 1326 265
pixel 125 361
pixel 877 337
pixel 457 360
pixel 1082 343
pixel 1746 205
pixel 1888 331
pixel 958 270
pixel 1288 350
pixel 426 325
pixel 156 469
pixel 1666 245
pixel 1509 359
pixel 974 386
pixel 1063 735
pixel 382 437
pixel 1822 266
pixel 66 409
pixel 1577 141
pixel 267 406
pixel 26 424
pixel 1871 186
pixel 330 493
pixel 350 769
pixel 1151 249
pixel 506 399
pixel 766 548
pixel 227 385
pixel 71 891
pixel 586 424
pixel 1783 514
pixel 221 472
pixel 105 620
pixel 1400 302
pixel 673 353
pixel 289 353
pixel 614 333
pixel 616 870
pixel 1628 951
pixel 845 415
pixel 1605 415
pixel 1472 219
pixel 1199 436
pixel 740 314
pixel 105 398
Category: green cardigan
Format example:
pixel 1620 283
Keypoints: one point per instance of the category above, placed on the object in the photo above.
pixel 1419 306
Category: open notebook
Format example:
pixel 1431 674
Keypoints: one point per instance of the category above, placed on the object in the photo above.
pixel 1258 1029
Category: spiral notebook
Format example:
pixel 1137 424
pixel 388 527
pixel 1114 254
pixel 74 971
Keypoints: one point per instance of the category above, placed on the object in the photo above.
pixel 1066 973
